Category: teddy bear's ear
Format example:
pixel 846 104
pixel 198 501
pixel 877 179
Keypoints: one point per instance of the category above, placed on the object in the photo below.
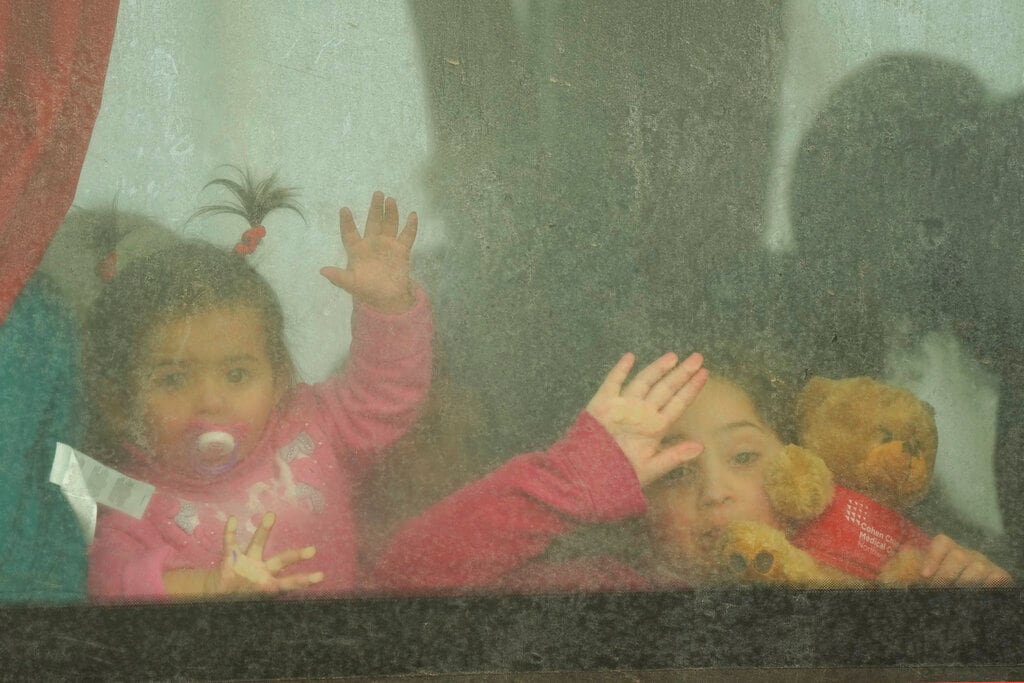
pixel 814 394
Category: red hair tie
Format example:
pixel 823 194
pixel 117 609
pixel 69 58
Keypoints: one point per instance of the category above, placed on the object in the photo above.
pixel 250 240
pixel 107 268
pixel 253 200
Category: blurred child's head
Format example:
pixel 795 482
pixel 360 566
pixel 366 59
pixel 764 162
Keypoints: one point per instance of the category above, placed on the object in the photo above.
pixel 92 243
pixel 187 341
pixel 743 421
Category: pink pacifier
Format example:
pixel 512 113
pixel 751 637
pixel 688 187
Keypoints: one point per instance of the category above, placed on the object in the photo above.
pixel 213 449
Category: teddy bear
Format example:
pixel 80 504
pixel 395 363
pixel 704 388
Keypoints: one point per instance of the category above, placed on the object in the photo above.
pixel 866 453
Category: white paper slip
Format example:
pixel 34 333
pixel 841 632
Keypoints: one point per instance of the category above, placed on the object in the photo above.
pixel 85 482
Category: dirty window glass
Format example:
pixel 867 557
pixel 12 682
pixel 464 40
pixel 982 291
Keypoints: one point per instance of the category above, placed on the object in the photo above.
pixel 816 188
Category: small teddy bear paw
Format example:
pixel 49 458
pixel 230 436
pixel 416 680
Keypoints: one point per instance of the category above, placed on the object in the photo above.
pixel 751 551
pixel 762 563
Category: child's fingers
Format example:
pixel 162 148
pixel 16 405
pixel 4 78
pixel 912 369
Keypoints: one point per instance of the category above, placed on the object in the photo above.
pixel 230 542
pixel 289 557
pixel 297 581
pixel 951 567
pixel 408 234
pixel 945 576
pixel 999 578
pixel 937 551
pixel 375 215
pixel 977 573
pixel 389 223
pixel 646 378
pixel 259 539
pixel 339 277
pixel 682 399
pixel 669 459
pixel 972 575
pixel 349 231
pixel 981 571
pixel 669 385
pixel 612 384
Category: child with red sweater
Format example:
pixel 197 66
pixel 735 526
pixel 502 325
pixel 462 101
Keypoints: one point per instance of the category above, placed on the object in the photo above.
pixel 688 466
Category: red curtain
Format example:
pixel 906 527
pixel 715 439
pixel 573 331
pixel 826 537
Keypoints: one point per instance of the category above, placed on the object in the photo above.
pixel 53 59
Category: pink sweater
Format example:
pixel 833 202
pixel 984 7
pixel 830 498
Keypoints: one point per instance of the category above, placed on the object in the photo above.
pixel 314 452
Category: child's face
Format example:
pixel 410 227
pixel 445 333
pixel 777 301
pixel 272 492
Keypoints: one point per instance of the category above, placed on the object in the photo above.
pixel 212 369
pixel 690 507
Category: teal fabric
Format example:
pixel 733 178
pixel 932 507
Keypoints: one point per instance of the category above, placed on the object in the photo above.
pixel 42 552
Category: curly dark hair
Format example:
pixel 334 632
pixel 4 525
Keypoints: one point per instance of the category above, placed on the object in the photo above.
pixel 184 279
pixel 767 375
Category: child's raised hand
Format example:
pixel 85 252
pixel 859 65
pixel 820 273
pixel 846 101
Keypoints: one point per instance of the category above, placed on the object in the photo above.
pixel 248 572
pixel 638 416
pixel 947 563
pixel 378 261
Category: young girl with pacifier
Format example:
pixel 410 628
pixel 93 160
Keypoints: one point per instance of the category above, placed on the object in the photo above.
pixel 194 392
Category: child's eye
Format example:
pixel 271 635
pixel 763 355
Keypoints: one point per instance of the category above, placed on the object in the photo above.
pixel 238 375
pixel 171 381
pixel 680 473
pixel 745 457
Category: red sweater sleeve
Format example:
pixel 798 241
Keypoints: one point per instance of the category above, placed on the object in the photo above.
pixel 492 527
pixel 377 396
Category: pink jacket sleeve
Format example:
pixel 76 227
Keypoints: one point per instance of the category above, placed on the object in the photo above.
pixel 377 396
pixel 127 560
pixel 482 533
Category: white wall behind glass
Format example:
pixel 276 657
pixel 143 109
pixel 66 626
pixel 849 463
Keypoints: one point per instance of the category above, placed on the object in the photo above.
pixel 328 94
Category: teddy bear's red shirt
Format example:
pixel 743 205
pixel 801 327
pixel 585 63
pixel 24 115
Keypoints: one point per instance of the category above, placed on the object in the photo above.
pixel 858 534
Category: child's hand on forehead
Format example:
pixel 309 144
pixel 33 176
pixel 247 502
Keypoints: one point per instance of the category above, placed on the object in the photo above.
pixel 378 261
pixel 639 415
